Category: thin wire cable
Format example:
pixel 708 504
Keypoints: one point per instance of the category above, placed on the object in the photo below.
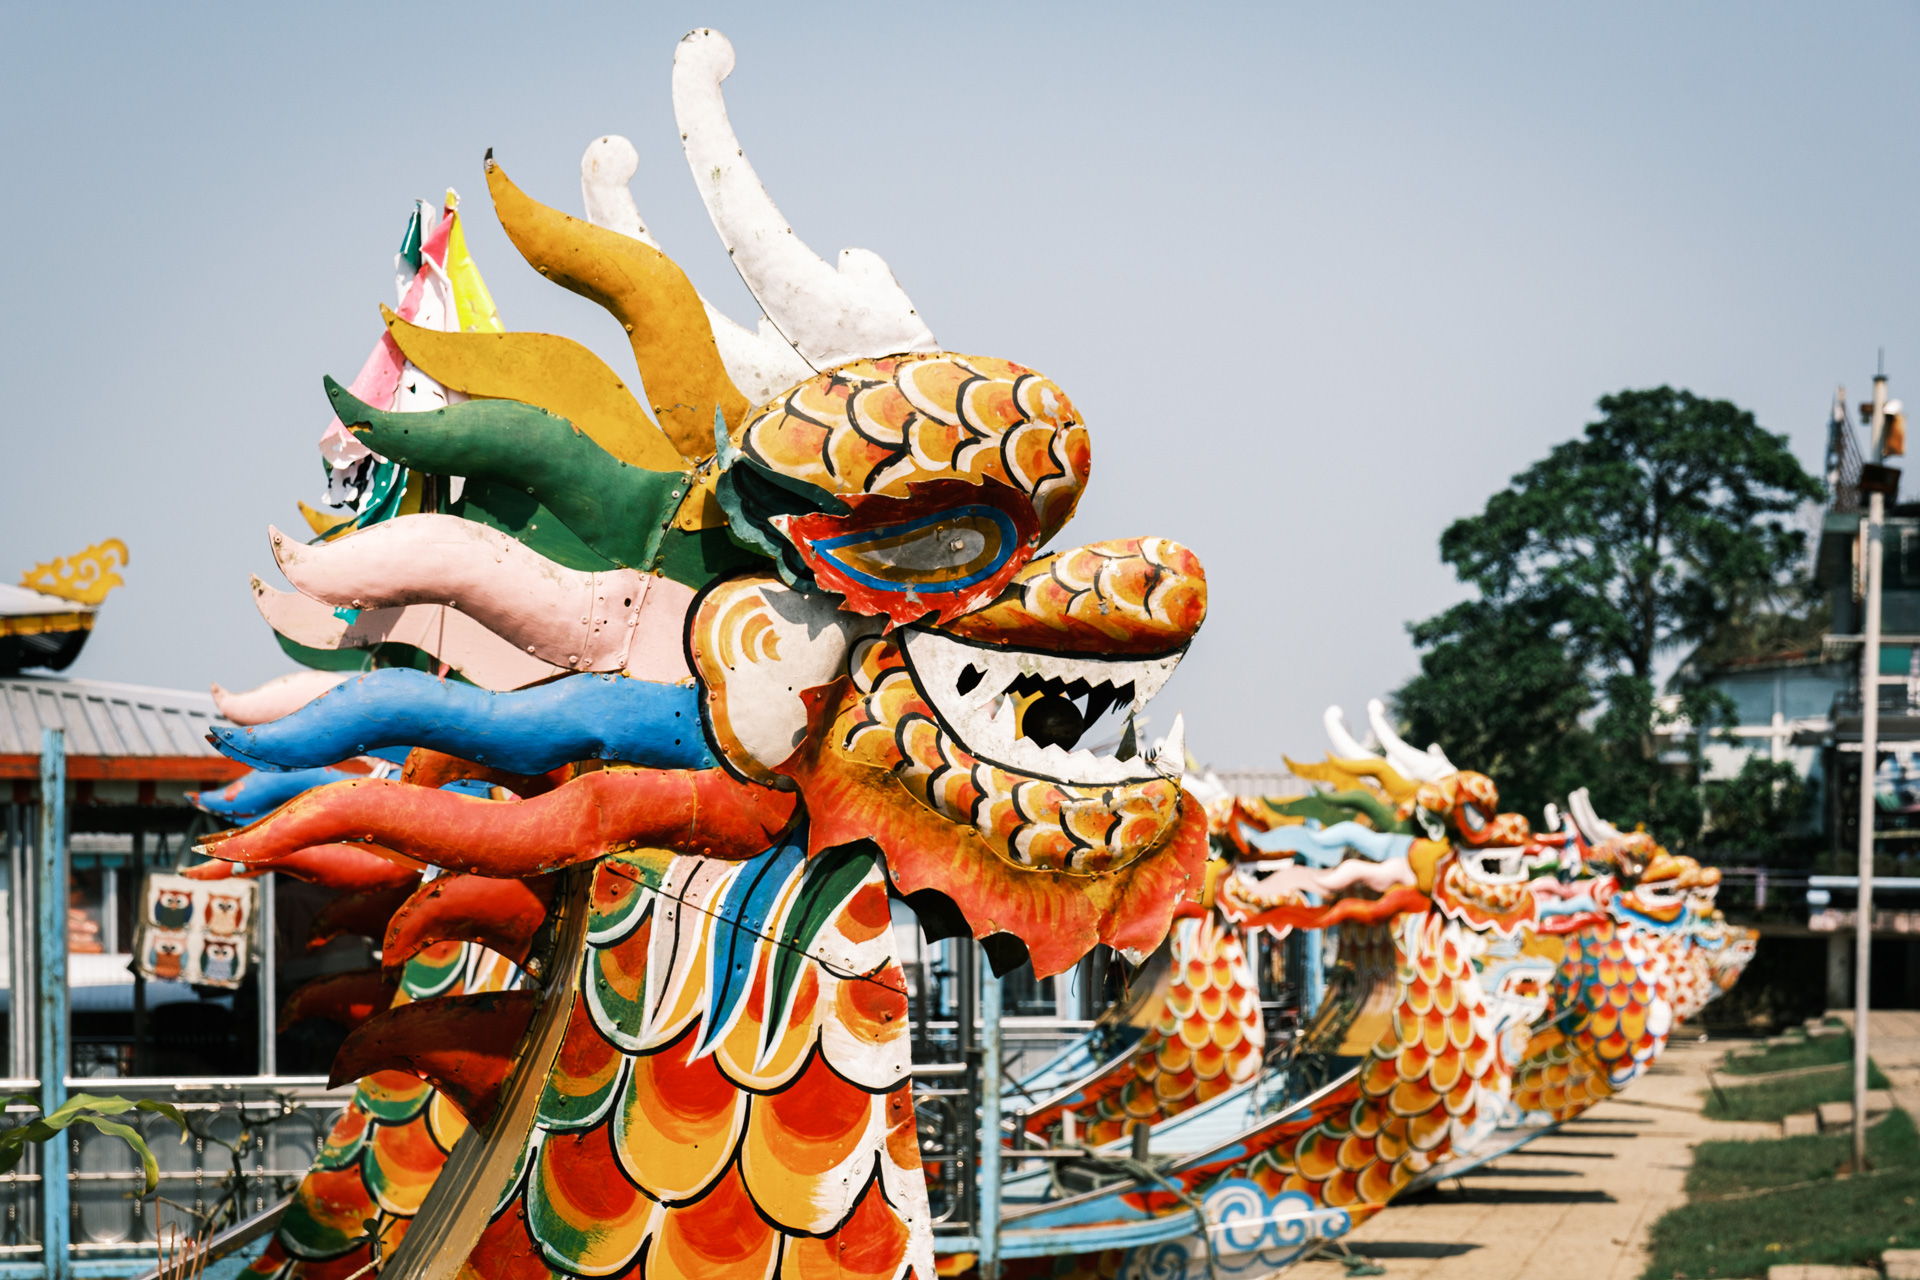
pixel 847 976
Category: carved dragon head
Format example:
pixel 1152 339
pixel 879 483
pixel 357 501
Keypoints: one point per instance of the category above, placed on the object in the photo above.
pixel 822 565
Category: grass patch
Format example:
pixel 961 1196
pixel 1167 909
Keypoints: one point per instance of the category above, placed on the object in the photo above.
pixel 1820 1052
pixel 1843 1222
pixel 1777 1099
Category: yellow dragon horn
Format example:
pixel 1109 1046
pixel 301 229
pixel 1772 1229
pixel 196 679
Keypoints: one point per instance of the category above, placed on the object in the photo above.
pixel 648 294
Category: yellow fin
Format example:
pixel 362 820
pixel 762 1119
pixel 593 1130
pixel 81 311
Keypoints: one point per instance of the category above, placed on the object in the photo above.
pixel 1347 775
pixel 701 509
pixel 320 522
pixel 551 373
pixel 651 297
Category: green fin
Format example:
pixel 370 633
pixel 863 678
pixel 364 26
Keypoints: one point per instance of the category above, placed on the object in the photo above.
pixel 619 511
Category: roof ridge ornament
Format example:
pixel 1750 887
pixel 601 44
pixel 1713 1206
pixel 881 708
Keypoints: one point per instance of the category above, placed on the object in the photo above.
pixel 85 577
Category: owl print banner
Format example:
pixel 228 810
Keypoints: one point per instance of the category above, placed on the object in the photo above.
pixel 196 931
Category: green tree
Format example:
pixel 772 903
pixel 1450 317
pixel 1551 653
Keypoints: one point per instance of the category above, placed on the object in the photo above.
pixel 1764 809
pixel 1664 520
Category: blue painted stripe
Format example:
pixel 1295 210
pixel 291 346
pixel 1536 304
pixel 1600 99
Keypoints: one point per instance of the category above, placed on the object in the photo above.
pixel 830 548
pixel 1323 847
pixel 253 794
pixel 741 925
pixel 580 717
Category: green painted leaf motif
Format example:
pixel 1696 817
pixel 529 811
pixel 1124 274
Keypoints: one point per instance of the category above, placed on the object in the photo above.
pixel 623 886
pixel 582 1211
pixel 345 1141
pixel 387 1100
pixel 615 982
pixel 424 977
pixel 580 1101
pixel 529 1152
pixel 832 878
pixel 312 1238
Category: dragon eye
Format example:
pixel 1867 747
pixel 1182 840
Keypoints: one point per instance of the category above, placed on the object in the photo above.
pixel 947 551
pixel 1471 815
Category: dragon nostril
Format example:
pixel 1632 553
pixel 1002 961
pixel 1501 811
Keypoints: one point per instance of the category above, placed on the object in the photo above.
pixel 969 679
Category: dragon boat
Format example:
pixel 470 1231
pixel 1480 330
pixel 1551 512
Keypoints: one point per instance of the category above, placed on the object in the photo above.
pixel 632 710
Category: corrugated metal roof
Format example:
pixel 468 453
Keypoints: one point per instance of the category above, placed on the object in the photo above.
pixel 104 719
pixel 1262 782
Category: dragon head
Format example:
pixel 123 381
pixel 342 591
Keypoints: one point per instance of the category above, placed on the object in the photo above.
pixel 920 671
pixel 826 546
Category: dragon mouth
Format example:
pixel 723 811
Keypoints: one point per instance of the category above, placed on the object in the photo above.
pixel 1662 901
pixel 1050 715
pixel 1495 867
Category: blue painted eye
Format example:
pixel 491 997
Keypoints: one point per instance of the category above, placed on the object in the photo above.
pixel 948 551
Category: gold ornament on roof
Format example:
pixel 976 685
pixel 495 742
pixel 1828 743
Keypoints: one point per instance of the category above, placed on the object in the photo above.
pixel 84 577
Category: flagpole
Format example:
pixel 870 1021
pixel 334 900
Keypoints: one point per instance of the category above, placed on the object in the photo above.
pixel 1878 480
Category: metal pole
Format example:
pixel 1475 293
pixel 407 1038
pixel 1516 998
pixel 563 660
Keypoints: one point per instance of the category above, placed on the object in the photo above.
pixel 1869 766
pixel 1313 982
pixel 22 868
pixel 989 1227
pixel 263 920
pixel 56 1228
pixel 139 978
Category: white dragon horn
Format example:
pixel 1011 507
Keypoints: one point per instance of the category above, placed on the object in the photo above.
pixel 1343 743
pixel 761 364
pixel 1417 765
pixel 1440 758
pixel 1593 828
pixel 829 316
pixel 605 170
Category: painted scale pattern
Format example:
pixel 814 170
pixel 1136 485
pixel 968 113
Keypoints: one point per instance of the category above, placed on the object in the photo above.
pixel 1361 1143
pixel 387 1148
pixel 1692 968
pixel 1208 1039
pixel 1396 1118
pixel 732 1096
pixel 1614 974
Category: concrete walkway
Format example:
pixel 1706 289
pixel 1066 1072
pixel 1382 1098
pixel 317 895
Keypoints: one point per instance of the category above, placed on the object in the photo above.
pixel 1577 1202
pixel 1893 1042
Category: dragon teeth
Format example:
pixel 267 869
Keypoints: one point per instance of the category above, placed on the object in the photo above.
pixel 983 718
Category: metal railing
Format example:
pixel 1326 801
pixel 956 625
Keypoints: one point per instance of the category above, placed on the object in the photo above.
pixel 251 1140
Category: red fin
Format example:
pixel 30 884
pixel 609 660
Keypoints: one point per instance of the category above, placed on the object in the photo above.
pixel 346 998
pixel 215 870
pixel 350 868
pixel 502 915
pixel 461 1045
pixel 700 812
pixel 362 913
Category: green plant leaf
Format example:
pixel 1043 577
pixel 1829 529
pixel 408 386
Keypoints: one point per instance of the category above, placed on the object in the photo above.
pixel 93 1109
pixel 131 1136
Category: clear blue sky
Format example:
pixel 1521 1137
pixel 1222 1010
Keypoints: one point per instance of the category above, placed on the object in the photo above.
pixel 1320 279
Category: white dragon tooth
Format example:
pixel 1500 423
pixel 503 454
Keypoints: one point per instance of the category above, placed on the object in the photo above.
pixel 1172 754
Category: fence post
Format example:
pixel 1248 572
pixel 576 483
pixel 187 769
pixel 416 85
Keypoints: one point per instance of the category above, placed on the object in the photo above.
pixel 990 1068
pixel 56 1228
pixel 266 961
pixel 1314 981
